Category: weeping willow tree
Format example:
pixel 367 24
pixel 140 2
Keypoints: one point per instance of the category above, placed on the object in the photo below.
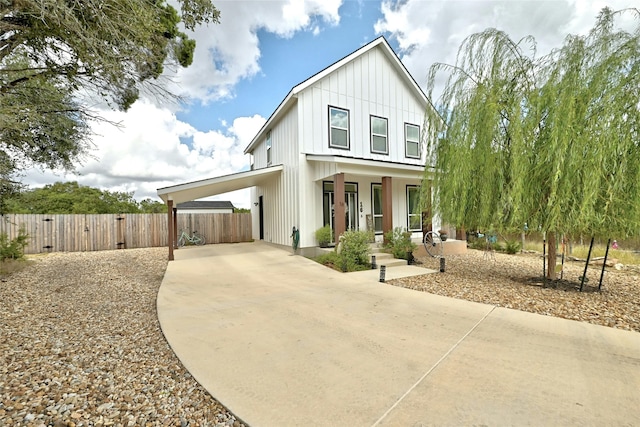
pixel 552 141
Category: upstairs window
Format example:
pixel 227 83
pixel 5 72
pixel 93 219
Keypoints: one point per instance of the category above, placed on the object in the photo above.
pixel 379 135
pixel 412 140
pixel 338 128
pixel 269 148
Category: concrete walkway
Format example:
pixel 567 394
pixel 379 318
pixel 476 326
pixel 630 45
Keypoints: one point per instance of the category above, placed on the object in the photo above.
pixel 283 341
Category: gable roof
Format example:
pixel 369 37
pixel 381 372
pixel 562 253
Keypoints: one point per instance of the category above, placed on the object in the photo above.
pixel 291 97
pixel 206 204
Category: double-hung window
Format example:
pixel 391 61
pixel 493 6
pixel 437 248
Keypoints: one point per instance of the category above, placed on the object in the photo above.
pixel 414 216
pixel 412 140
pixel 338 128
pixel 379 135
pixel 269 148
pixel 376 203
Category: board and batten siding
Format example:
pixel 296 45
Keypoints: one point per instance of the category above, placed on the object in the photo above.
pixel 280 202
pixel 368 85
pixel 80 233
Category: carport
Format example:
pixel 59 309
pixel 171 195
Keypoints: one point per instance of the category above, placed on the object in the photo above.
pixel 208 187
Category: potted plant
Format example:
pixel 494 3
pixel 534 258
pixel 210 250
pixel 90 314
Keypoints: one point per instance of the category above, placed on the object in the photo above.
pixel 443 235
pixel 323 236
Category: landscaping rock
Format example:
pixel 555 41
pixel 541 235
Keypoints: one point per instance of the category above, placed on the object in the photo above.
pixel 82 346
pixel 515 281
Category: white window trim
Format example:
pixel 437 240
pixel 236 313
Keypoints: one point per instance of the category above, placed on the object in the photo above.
pixel 269 148
pixel 373 210
pixel 406 141
pixel 341 147
pixel 386 136
pixel 411 214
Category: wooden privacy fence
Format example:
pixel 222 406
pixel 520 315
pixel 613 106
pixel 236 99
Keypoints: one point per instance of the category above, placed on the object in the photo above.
pixel 78 233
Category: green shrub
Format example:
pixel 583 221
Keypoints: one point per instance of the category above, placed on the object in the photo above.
pixel 351 254
pixel 14 248
pixel 330 259
pixel 512 247
pixel 354 250
pixel 323 235
pixel 399 243
pixel 477 243
pixel 482 244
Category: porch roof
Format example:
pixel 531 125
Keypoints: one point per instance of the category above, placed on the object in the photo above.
pixel 364 167
pixel 218 185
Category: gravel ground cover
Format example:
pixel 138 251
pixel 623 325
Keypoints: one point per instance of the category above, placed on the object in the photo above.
pixel 81 346
pixel 515 281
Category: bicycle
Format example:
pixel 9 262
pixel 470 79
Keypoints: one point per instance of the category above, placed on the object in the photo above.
pixel 194 239
pixel 433 244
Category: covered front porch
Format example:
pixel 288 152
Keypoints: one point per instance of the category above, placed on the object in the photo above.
pixel 369 195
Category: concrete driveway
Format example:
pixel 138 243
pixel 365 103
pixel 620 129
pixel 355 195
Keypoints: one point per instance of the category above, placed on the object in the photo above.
pixel 283 341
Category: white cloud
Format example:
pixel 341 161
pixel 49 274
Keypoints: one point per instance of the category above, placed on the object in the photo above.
pixel 431 31
pixel 154 149
pixel 229 51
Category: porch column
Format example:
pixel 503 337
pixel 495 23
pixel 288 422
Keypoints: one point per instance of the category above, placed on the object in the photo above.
pixel 387 206
pixel 170 234
pixel 340 223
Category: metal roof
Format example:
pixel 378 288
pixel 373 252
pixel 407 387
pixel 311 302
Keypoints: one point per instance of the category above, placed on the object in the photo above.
pixel 223 184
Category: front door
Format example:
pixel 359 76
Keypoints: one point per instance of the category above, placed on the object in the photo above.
pixel 351 205
pixel 261 217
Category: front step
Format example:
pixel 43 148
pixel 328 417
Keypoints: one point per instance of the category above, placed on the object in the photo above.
pixel 386 259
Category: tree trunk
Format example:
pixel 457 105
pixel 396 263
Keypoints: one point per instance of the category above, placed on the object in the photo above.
pixel 461 233
pixel 551 256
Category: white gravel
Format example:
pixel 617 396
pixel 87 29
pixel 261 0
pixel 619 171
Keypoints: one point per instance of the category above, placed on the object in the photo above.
pixel 515 281
pixel 81 346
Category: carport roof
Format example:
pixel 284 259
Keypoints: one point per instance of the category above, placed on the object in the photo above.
pixel 218 185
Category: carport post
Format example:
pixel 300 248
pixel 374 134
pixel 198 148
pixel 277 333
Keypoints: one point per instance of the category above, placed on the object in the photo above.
pixel 171 234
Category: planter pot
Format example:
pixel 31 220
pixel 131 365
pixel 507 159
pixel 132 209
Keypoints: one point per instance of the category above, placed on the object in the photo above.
pixel 409 258
pixel 443 237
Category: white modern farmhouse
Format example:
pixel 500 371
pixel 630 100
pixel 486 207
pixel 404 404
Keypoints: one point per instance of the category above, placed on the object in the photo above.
pixel 343 148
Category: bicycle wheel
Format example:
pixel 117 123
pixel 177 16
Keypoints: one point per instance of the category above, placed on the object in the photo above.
pixel 200 240
pixel 432 244
pixel 181 241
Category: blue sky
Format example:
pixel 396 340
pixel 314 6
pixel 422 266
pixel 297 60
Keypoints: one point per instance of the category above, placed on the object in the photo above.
pixel 285 62
pixel 245 66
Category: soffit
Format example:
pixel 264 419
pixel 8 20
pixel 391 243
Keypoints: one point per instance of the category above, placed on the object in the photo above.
pixel 218 185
